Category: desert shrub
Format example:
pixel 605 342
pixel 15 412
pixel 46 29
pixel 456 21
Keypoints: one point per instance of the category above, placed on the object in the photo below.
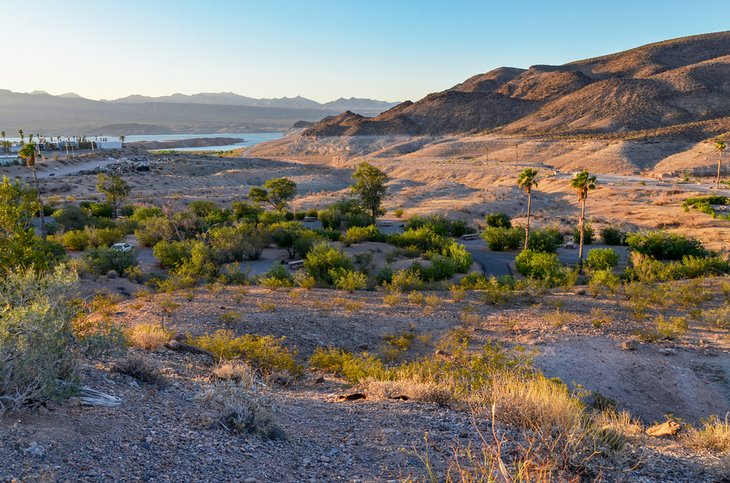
pixel 278 276
pixel 143 212
pixel 242 410
pixel 153 230
pixel 439 224
pixel 72 218
pixel 398 212
pixel 323 258
pixel 35 336
pixel 459 255
pixel 148 336
pixel 587 234
pixel 244 241
pixel 98 336
pixel 265 353
pixel 358 234
pixel 75 240
pixel 285 234
pixel 98 210
pixel 235 371
pixel 649 270
pixel 245 211
pixel 271 217
pixel 671 328
pixel 498 220
pixel 665 246
pixel 141 369
pixel 103 237
pixel 602 259
pixel 200 265
pixel 304 280
pixel 172 254
pixel 406 280
pixel 305 241
pixel 330 219
pixel 101 261
pixel 441 268
pixel 502 238
pixel 613 236
pixel 349 280
pixel 704 204
pixel 546 240
pixel 603 281
pixel 331 235
pixel 202 208
pixel 392 299
pixel 719 317
pixel 125 225
pixel 539 265
pixel 713 435
pixel 424 239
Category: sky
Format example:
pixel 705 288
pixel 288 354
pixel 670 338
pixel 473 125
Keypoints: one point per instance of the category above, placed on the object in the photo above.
pixel 384 49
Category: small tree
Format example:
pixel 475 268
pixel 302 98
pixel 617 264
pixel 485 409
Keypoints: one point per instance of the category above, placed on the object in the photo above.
pixel 370 188
pixel 28 152
pixel 526 181
pixel 116 190
pixel 277 192
pixel 720 146
pixel 582 183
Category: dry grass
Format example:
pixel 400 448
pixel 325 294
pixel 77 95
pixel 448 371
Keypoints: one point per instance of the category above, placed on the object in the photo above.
pixel 713 435
pixel 141 369
pixel 148 336
pixel 235 371
pixel 427 392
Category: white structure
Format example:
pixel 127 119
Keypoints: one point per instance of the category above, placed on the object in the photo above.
pixel 106 143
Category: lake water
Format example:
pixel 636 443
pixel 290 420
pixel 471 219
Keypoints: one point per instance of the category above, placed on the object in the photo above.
pixel 249 139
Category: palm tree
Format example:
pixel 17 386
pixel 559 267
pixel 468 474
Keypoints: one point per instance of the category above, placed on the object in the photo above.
pixel 720 146
pixel 526 181
pixel 28 153
pixel 22 138
pixel 582 183
pixel 3 136
pixel 122 138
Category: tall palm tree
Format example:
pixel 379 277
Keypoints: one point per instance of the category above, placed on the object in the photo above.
pixel 582 183
pixel 22 138
pixel 122 138
pixel 3 136
pixel 526 181
pixel 720 146
pixel 28 152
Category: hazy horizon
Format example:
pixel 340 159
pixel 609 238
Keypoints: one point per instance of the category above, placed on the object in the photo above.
pixel 382 50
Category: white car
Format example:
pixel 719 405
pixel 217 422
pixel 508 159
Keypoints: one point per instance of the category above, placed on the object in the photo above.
pixel 123 247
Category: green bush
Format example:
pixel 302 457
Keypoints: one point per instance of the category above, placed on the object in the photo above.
pixel 278 276
pixel 602 259
pixel 153 230
pixel 650 270
pixel 305 241
pixel 613 236
pixel 665 246
pixel 98 210
pixel 423 238
pixel 704 204
pixel 75 240
pixel 358 234
pixel 36 340
pixel 349 280
pixel 72 218
pixel 271 217
pixel 144 212
pixel 441 268
pixel 587 234
pixel 244 241
pixel 498 220
pixel 546 240
pixel 101 261
pixel 245 211
pixel 405 281
pixel 539 265
pixel 439 224
pixel 201 264
pixel 459 255
pixel 172 254
pixel 323 258
pixel 501 238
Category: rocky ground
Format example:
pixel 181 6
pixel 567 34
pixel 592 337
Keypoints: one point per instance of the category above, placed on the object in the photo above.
pixel 166 432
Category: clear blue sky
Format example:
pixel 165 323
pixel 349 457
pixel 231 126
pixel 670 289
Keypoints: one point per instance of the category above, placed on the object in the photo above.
pixel 321 49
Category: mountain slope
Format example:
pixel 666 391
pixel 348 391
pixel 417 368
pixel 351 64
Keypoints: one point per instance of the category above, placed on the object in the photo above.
pixel 654 87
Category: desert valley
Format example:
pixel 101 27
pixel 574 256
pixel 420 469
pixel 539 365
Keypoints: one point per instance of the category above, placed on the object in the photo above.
pixel 408 293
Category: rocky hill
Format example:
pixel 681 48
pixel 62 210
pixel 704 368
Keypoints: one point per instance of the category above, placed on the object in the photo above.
pixel 654 89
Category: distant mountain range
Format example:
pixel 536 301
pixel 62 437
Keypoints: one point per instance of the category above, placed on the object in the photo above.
pixel 70 114
pixel 679 87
